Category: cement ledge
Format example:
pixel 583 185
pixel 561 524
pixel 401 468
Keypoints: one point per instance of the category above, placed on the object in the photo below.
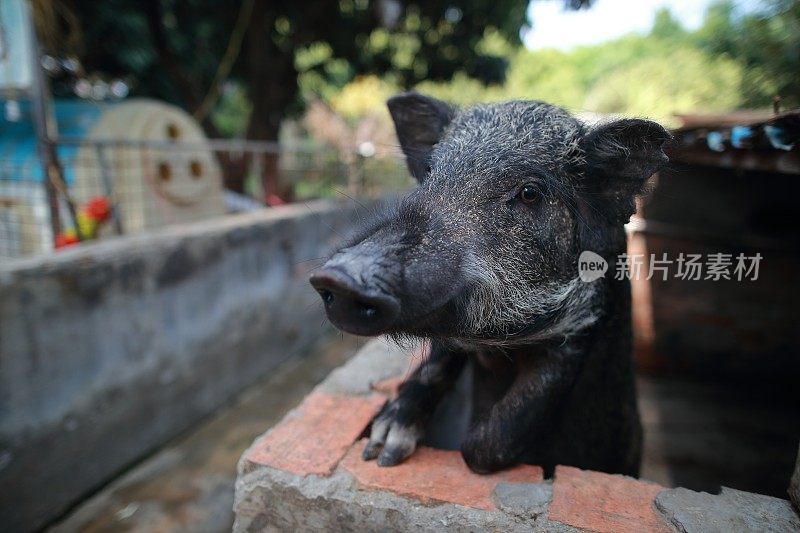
pixel 132 246
pixel 111 348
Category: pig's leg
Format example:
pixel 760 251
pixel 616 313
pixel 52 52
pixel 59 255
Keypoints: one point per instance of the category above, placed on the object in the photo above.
pixel 501 437
pixel 400 425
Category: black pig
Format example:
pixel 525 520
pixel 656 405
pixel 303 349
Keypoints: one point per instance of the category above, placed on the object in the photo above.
pixel 481 259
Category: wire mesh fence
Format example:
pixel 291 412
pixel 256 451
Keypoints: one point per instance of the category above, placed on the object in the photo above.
pixel 113 187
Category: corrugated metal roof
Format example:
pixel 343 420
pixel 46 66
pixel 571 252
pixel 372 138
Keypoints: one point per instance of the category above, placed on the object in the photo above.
pixel 745 117
pixel 749 140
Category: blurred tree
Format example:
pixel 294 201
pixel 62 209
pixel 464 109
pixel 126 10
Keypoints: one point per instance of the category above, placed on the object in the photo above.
pixel 549 75
pixel 736 59
pixel 462 90
pixel 184 51
pixel 680 80
pixel 175 50
pixel 361 97
pixel 765 41
pixel 665 26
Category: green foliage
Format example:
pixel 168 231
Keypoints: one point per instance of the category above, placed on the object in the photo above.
pixel 289 51
pixel 233 111
pixel 460 51
pixel 685 80
pixel 666 27
pixel 430 41
pixel 732 61
pixel 766 43
pixel 547 75
pixel 462 90
pixel 364 95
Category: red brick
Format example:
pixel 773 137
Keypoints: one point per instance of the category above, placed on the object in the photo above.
pixel 313 438
pixel 605 503
pixel 432 475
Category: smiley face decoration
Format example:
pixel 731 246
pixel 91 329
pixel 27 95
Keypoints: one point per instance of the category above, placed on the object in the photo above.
pixel 160 166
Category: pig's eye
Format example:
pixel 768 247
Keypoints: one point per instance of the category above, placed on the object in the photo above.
pixel 529 194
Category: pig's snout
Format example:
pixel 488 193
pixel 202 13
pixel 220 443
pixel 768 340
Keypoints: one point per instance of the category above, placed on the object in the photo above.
pixel 352 307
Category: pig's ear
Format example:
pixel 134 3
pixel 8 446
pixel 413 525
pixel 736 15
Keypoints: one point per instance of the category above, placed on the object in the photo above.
pixel 420 122
pixel 619 158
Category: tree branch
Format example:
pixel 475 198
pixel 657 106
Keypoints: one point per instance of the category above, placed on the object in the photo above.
pixel 172 65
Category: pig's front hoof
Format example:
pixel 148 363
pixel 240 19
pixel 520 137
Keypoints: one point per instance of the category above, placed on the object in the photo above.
pixel 371 451
pixel 481 459
pixel 477 467
pixel 393 437
pixel 393 457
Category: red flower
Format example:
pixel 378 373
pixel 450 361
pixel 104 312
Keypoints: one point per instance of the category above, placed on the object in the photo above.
pixel 66 239
pixel 98 209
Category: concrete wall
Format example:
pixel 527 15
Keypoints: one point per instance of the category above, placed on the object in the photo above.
pixel 108 350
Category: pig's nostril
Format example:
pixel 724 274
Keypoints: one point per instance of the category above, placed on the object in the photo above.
pixel 366 310
pixel 352 307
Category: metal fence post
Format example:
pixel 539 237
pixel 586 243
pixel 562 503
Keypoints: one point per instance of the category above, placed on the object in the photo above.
pixel 108 187
pixel 44 124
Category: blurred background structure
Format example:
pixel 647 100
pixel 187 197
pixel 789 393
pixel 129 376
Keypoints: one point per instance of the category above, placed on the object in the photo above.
pixel 190 140
pixel 292 95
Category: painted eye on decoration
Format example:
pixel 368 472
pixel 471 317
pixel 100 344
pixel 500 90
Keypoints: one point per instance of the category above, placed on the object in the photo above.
pixel 529 194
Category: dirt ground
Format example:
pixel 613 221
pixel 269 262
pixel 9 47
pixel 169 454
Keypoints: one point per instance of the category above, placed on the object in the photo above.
pixel 697 435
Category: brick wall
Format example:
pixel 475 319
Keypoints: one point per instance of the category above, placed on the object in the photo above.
pixel 306 474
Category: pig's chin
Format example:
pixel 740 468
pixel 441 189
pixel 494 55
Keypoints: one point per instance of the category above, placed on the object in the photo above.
pixel 445 327
pixel 440 321
pixel 449 320
pixel 510 334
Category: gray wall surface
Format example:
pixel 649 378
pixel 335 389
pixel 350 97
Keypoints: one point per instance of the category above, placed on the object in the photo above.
pixel 109 350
